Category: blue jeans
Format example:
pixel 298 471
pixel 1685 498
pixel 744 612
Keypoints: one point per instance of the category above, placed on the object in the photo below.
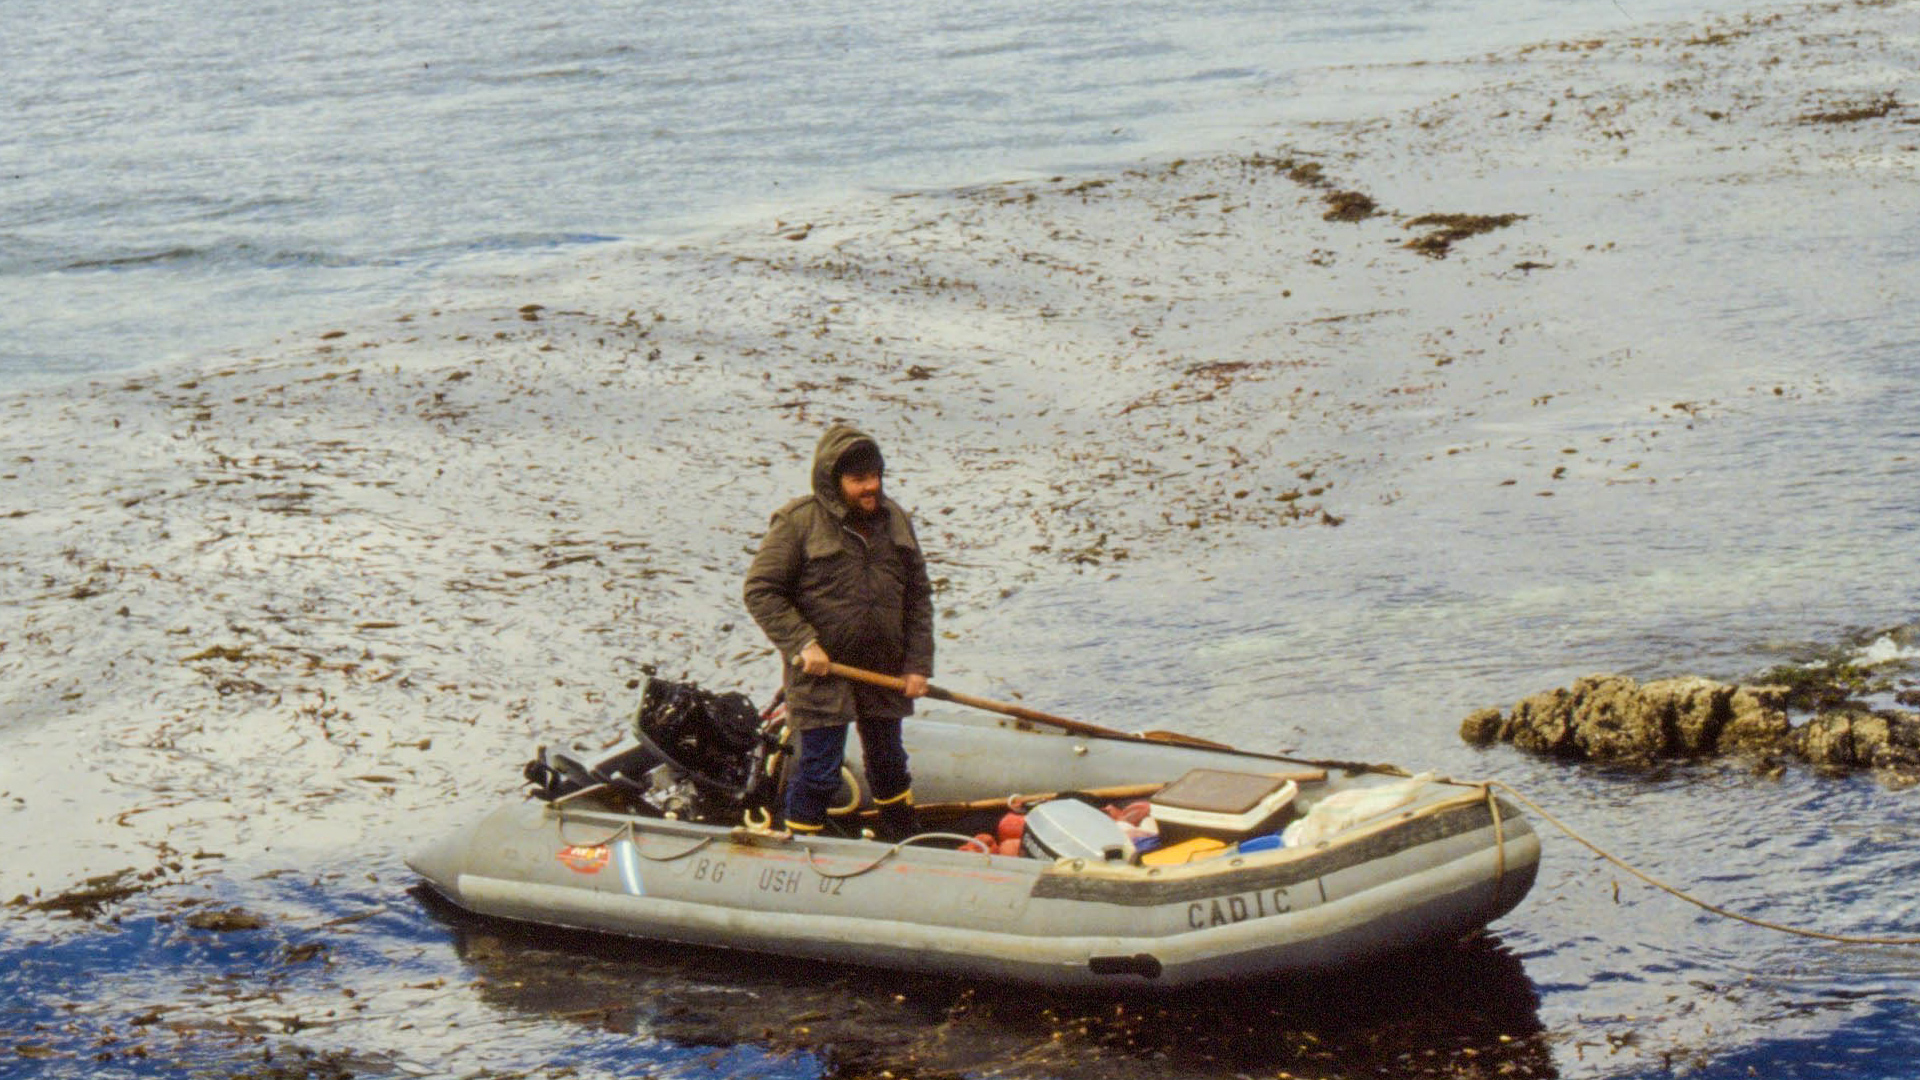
pixel 816 775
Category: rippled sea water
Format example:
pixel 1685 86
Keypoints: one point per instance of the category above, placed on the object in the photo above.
pixel 181 181
pixel 279 611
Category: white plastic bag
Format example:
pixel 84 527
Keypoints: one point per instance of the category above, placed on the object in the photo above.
pixel 1344 809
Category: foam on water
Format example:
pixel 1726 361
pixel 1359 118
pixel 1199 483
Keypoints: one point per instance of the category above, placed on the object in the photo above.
pixel 1885 650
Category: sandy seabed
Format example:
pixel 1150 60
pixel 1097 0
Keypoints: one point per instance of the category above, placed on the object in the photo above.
pixel 304 606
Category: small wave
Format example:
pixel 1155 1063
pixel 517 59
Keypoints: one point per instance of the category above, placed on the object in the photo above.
pixel 22 260
pixel 533 241
pixel 1116 51
pixel 166 257
pixel 262 206
pixel 1011 44
pixel 1225 74
pixel 541 75
pixel 229 256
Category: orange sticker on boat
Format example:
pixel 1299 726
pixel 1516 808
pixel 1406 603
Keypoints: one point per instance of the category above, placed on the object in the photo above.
pixel 584 860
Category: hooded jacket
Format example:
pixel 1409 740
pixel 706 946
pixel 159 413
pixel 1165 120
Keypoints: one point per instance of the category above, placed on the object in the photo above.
pixel 861 593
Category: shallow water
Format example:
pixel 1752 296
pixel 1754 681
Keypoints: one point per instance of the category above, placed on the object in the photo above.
pixel 269 623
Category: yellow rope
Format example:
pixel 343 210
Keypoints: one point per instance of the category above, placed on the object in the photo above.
pixel 853 801
pixel 1847 939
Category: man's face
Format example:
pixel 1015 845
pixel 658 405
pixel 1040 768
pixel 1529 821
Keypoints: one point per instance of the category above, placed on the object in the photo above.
pixel 861 490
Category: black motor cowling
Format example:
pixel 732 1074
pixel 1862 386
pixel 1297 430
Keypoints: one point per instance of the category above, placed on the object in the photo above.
pixel 715 739
pixel 696 755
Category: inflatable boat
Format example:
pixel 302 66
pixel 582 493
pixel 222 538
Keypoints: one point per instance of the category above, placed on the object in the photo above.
pixel 1048 856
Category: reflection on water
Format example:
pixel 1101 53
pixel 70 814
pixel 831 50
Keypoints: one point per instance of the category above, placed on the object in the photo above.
pixel 334 984
pixel 1427 1013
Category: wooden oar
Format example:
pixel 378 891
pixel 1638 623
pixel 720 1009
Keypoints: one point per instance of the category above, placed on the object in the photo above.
pixel 1078 727
pixel 1011 802
pixel 1106 794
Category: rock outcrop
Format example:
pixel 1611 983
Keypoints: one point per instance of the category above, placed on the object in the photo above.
pixel 1887 741
pixel 1613 718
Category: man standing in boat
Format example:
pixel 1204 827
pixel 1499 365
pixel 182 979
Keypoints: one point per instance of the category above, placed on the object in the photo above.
pixel 840 578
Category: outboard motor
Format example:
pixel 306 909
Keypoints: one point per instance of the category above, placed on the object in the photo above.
pixel 715 742
pixel 695 755
pixel 556 773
